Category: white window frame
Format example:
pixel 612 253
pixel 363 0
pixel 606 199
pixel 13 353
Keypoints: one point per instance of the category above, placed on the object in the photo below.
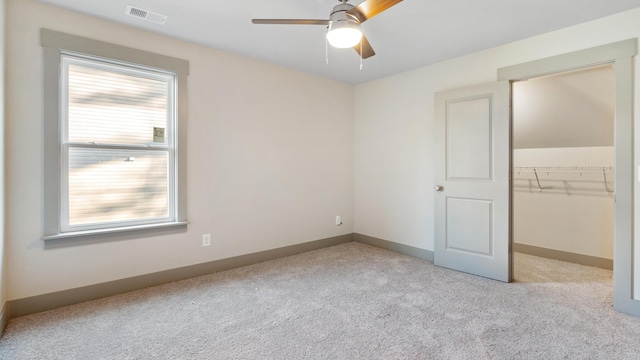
pixel 127 69
pixel 60 47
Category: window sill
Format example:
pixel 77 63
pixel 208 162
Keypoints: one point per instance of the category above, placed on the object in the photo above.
pixel 75 234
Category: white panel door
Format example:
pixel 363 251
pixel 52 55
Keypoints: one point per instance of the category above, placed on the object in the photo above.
pixel 472 222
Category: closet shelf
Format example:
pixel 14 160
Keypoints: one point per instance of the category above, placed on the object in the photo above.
pixel 564 173
pixel 568 170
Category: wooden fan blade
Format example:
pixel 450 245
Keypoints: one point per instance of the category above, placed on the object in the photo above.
pixel 370 8
pixel 290 21
pixel 367 50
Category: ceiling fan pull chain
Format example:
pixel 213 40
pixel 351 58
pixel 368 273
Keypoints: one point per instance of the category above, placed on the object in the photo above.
pixel 326 51
pixel 361 41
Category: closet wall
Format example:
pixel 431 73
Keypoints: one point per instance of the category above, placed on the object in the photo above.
pixel 563 162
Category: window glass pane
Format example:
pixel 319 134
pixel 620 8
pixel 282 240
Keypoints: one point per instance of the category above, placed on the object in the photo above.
pixel 116 107
pixel 117 185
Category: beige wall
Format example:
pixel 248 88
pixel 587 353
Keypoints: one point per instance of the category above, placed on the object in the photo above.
pixel 270 159
pixel 574 212
pixel 274 154
pixel 394 142
pixel 573 109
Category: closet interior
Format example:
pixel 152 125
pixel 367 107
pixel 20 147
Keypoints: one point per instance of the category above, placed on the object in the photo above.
pixel 563 166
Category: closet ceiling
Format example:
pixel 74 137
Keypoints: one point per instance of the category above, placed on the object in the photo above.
pixel 571 109
pixel 413 33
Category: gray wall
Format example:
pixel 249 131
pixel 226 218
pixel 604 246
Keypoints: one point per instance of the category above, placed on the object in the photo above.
pixel 3 292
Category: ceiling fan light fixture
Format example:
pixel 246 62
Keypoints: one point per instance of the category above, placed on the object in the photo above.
pixel 344 24
pixel 344 33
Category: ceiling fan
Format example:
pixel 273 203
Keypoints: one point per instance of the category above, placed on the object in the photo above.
pixel 344 24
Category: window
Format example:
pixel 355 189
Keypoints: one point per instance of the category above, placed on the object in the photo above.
pixel 113 150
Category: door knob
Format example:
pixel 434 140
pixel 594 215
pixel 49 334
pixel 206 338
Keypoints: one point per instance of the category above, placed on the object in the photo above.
pixel 439 188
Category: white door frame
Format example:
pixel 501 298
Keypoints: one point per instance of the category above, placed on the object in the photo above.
pixel 620 54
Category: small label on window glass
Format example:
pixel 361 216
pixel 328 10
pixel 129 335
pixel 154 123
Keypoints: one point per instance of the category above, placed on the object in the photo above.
pixel 158 135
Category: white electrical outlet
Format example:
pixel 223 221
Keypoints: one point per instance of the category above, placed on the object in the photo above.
pixel 338 220
pixel 206 240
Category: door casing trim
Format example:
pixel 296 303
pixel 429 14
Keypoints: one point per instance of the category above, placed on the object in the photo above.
pixel 620 54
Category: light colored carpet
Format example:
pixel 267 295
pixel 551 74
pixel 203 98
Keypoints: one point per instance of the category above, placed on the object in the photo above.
pixel 350 301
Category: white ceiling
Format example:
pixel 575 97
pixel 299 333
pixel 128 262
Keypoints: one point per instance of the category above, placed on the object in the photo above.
pixel 411 34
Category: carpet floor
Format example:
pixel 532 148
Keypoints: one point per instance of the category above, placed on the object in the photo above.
pixel 350 301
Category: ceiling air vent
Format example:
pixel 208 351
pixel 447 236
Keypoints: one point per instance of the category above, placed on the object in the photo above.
pixel 146 15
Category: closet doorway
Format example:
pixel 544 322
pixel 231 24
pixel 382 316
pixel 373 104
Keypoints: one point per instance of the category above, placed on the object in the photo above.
pixel 622 56
pixel 563 171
